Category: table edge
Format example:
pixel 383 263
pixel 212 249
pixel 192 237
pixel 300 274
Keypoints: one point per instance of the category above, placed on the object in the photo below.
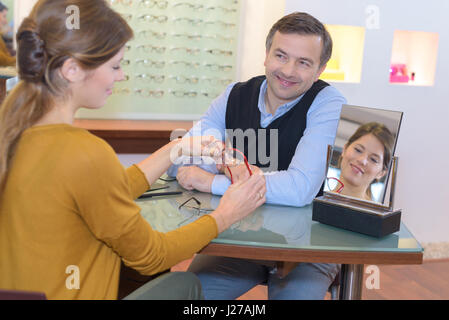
pixel 311 255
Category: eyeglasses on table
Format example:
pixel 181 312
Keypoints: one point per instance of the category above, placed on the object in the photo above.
pixel 193 206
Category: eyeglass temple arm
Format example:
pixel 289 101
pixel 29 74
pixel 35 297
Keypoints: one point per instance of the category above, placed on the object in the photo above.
pixel 192 198
pixel 246 164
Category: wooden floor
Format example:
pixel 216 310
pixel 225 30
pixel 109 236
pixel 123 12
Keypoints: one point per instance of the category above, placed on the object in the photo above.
pixel 408 282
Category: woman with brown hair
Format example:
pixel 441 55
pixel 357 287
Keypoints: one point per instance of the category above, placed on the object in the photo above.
pixel 364 160
pixel 66 203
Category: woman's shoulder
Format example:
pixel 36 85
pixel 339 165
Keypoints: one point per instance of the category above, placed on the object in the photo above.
pixel 73 147
pixel 77 145
pixel 86 139
pixel 90 145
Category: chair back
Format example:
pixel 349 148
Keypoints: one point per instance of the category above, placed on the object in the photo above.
pixel 21 295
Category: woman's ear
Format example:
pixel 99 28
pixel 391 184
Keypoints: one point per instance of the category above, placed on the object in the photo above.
pixel 72 71
pixel 381 174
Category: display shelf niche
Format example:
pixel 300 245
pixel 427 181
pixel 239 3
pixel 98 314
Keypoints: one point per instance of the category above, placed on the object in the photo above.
pixel 345 64
pixel 414 58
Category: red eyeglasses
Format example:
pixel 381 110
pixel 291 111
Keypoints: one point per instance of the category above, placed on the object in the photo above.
pixel 339 188
pixel 234 157
pixel 230 157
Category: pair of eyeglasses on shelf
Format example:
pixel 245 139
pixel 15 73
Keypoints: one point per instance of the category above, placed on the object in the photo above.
pixel 219 37
pixel 147 93
pixel 187 36
pixel 122 91
pixel 217 67
pixel 193 94
pixel 200 7
pixel 126 3
pixel 125 62
pixel 181 94
pixel 183 79
pixel 192 208
pixel 334 184
pixel 151 49
pixel 186 64
pixel 187 5
pixel 195 65
pixel 150 63
pixel 217 52
pixel 148 34
pixel 197 22
pixel 153 3
pixel 200 36
pixel 149 77
pixel 216 81
pixel 194 51
pixel 220 23
pixel 185 20
pixel 153 18
pixel 222 9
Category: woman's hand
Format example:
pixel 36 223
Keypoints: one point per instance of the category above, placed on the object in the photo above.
pixel 197 146
pixel 159 161
pixel 240 200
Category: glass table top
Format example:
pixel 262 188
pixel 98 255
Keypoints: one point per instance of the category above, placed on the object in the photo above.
pixel 272 226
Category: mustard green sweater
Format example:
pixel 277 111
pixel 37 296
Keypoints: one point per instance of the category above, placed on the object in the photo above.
pixel 68 206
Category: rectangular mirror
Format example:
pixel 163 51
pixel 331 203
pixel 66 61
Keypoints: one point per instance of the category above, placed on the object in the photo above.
pixel 361 158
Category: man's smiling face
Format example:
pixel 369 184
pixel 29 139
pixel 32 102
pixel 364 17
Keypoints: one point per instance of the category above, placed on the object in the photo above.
pixel 292 65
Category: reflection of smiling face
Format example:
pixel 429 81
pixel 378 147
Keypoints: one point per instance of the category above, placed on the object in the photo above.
pixel 362 162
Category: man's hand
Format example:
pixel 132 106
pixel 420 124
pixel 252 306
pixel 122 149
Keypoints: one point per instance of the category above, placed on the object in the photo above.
pixel 193 177
pixel 241 173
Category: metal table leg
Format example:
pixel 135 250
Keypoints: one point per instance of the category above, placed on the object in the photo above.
pixel 351 284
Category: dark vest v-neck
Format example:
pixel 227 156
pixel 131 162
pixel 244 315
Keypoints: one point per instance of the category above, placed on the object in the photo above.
pixel 243 113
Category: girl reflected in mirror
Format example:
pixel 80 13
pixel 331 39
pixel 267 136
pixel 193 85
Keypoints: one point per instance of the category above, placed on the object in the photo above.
pixel 365 160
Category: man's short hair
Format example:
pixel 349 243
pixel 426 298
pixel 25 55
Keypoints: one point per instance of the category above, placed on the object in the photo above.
pixel 304 24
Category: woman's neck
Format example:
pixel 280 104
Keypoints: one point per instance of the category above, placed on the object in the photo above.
pixel 354 191
pixel 62 112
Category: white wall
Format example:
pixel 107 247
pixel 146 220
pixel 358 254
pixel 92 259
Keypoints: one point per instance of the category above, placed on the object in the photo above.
pixel 21 9
pixel 257 18
pixel 423 145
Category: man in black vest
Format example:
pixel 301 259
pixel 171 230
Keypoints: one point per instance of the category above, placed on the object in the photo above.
pixel 293 115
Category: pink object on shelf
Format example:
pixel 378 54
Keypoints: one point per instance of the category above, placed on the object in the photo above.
pixel 398 73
